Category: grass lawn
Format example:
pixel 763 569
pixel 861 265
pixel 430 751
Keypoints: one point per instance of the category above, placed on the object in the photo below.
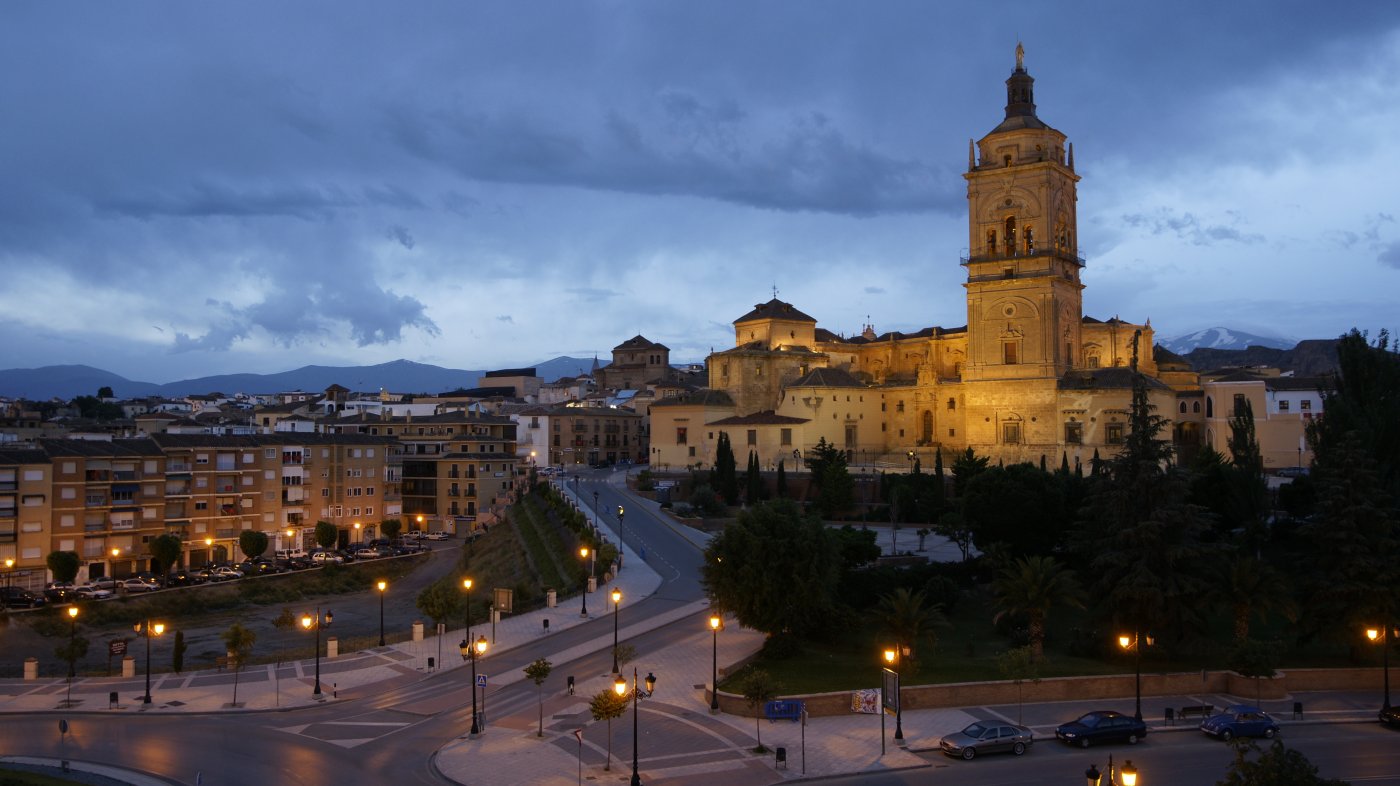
pixel 9 777
pixel 967 652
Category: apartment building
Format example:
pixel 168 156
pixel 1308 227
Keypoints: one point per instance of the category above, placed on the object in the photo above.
pixel 26 495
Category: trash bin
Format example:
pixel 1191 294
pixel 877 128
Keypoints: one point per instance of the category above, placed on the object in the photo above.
pixel 432 662
pixel 781 760
pixel 1171 716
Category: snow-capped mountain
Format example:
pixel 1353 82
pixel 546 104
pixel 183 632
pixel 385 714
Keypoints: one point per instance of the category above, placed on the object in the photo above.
pixel 1221 338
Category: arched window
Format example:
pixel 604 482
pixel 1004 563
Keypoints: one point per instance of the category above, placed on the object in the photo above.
pixel 1030 239
pixel 1196 407
pixel 1011 234
pixel 1182 408
pixel 1210 407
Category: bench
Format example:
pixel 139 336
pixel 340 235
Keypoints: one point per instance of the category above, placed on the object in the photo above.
pixel 783 710
pixel 1198 710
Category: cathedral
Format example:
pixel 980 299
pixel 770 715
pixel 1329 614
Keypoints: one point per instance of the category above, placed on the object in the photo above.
pixel 1029 377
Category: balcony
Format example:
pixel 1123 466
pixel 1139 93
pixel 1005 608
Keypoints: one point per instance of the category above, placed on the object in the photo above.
pixel 95 501
pixel 97 476
pixel 124 474
pixel 178 466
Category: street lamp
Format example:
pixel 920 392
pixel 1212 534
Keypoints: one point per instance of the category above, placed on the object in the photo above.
pixel 471 651
pixel 1135 642
pixel 892 658
pixel 209 544
pixel 596 521
pixel 72 650
pixel 9 569
pixel 588 554
pixel 1383 635
pixel 620 687
pixel 716 625
pixel 383 586
pixel 616 599
pixel 621 516
pixel 316 623
pixel 357 532
pixel 148 629
pixel 910 456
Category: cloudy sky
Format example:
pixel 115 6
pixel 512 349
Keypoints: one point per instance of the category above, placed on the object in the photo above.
pixel 199 188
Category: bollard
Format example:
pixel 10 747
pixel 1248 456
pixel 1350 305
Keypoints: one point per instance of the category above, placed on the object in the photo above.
pixel 31 668
pixel 417 630
pixel 592 583
pixel 571 684
pixel 332 647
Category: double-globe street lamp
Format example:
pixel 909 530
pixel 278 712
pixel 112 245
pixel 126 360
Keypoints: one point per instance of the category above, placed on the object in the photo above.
pixel 148 629
pixel 620 687
pixel 1125 776
pixel 472 650
pixel 1383 634
pixel 1135 642
pixel 309 622
pixel 716 625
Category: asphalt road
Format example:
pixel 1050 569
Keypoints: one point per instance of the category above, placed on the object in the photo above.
pixel 407 724
pixel 1366 753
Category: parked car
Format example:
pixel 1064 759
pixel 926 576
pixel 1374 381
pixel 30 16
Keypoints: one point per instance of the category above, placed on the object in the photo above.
pixel 92 591
pixel 1240 720
pixel 1102 726
pixel 369 552
pixel 104 582
pixel 987 737
pixel 59 592
pixel 326 558
pixel 439 535
pixel 415 534
pixel 137 584
pixel 226 573
pixel 183 578
pixel 19 598
pixel 1390 716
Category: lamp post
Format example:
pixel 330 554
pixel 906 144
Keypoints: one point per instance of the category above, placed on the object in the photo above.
pixel 596 518
pixel 1125 776
pixel 471 650
pixel 9 570
pixel 586 553
pixel 209 544
pixel 1383 635
pixel 72 651
pixel 1135 643
pixel 116 552
pixel 910 456
pixel 892 658
pixel 315 623
pixel 716 625
pixel 383 587
pixel 617 600
pixel 148 629
pixel 620 687
pixel 357 533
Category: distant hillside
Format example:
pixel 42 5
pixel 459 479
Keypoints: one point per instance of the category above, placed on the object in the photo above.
pixel 399 376
pixel 1311 358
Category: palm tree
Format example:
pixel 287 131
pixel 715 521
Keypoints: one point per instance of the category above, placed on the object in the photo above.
pixel 909 618
pixel 1032 586
pixel 1254 587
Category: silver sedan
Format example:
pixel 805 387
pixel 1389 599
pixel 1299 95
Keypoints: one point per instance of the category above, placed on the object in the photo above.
pixel 987 737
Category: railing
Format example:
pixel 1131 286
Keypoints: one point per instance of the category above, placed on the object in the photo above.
pixel 1021 254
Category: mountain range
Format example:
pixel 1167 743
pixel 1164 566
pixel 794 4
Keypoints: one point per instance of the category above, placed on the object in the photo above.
pixel 1221 338
pixel 66 382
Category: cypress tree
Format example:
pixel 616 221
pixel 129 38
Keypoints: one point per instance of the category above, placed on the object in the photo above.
pixel 782 489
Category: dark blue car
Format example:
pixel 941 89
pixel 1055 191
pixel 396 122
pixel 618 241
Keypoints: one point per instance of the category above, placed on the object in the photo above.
pixel 1093 728
pixel 1240 720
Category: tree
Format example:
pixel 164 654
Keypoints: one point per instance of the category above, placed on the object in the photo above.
pixel 837 488
pixel 1255 659
pixel 105 392
pixel 1019 508
pixel 73 649
pixel 1019 665
pixel 252 543
pixel 537 672
pixel 326 534
pixel 607 705
pixel 1144 541
pixel 1250 491
pixel 706 502
pixel 1276 766
pixel 774 568
pixel 753 478
pixel 724 477
pixel 1254 587
pixel 441 600
pixel 923 533
pixel 1033 586
pixel 967 466
pixel 238 643
pixel 166 549
pixel 911 620
pixel 390 528
pixel 759 688
pixel 63 565
pixel 1364 404
pixel 780 485
pixel 822 456
pixel 857 546
pixel 177 652
pixel 953 526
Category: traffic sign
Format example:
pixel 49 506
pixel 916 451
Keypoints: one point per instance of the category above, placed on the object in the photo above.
pixel 481 680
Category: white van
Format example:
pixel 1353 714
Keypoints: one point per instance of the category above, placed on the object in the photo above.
pixel 290 553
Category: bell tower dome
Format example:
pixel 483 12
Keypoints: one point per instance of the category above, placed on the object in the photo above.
pixel 1024 302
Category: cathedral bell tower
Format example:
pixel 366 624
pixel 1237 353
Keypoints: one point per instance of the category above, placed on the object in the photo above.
pixel 1023 292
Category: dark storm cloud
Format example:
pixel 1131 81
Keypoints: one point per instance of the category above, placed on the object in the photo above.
pixel 678 144
pixel 400 235
pixel 1390 255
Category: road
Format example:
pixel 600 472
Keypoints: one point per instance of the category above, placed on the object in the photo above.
pixel 1357 753
pixel 387 737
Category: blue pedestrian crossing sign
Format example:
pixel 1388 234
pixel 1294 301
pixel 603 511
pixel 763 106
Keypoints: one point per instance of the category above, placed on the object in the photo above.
pixel 481 680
